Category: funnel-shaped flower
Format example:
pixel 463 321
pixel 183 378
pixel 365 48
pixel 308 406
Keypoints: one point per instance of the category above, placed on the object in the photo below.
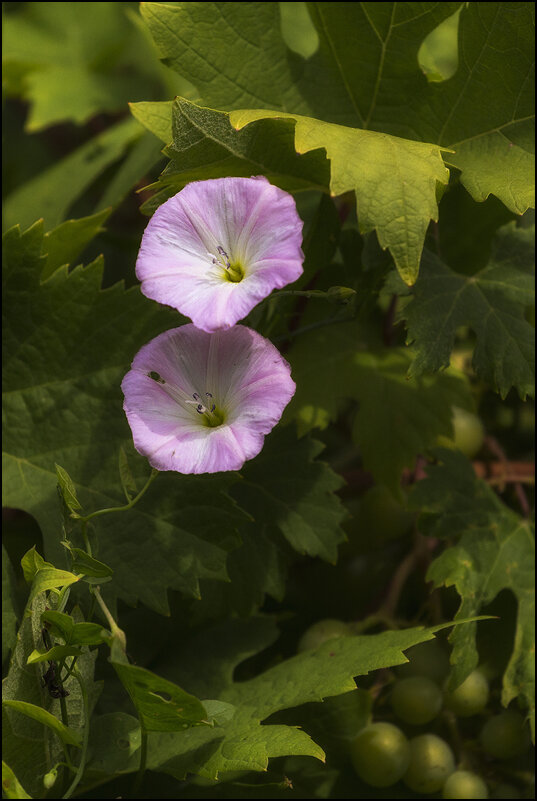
pixel 218 247
pixel 201 403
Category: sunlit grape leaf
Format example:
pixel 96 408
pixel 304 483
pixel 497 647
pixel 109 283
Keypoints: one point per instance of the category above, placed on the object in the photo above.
pixel 492 302
pixel 205 145
pixel 394 179
pixel 156 116
pixel 397 417
pixel 74 61
pixel 365 75
pixel 495 551
pixel 237 58
pixel 68 345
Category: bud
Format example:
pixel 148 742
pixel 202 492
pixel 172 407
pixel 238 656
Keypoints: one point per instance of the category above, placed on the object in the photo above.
pixel 340 294
pixel 49 779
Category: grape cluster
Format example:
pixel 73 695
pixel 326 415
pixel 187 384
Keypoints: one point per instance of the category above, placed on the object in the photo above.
pixel 385 752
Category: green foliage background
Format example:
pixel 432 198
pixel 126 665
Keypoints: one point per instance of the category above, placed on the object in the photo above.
pixel 405 133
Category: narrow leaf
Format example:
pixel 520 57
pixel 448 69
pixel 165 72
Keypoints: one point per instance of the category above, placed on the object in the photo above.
pixel 67 487
pixel 66 735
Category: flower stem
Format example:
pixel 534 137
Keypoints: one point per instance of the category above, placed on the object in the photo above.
pixel 127 506
pixel 118 633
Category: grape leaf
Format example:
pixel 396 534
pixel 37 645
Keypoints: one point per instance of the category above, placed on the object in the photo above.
pixel 289 489
pixel 217 46
pixel 67 346
pixel 400 175
pixel 495 551
pixel 365 75
pixel 492 302
pixel 397 418
pixel 247 742
pixel 212 653
pixel 394 180
pixel 205 145
pixel 51 194
pixel 75 61
pixel 65 243
pixel 58 379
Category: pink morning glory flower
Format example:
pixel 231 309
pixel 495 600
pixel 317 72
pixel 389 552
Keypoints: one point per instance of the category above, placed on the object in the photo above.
pixel 218 247
pixel 200 402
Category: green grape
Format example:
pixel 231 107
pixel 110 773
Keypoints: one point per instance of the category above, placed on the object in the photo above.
pixel 320 632
pixel 431 762
pixel 468 433
pixel 416 700
pixel 505 735
pixel 380 754
pixel 470 697
pixel 465 784
pixel 426 659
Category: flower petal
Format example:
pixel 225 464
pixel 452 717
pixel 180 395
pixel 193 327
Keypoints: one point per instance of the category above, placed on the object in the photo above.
pixel 254 223
pixel 248 382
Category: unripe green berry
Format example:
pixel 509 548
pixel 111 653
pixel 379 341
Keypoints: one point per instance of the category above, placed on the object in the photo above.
pixel 431 762
pixel 468 433
pixel 465 784
pixel 505 735
pixel 320 632
pixel 416 700
pixel 470 697
pixel 380 754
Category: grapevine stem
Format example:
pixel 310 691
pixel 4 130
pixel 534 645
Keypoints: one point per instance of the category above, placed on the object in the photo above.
pixel 127 506
pixel 495 448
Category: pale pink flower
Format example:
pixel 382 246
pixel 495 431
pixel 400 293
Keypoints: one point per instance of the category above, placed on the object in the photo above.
pixel 218 247
pixel 201 402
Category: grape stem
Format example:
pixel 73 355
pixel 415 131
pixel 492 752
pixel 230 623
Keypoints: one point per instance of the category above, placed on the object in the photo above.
pixel 495 448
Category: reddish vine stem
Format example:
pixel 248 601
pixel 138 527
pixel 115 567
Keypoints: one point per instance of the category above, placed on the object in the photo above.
pixel 494 473
pixel 496 449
